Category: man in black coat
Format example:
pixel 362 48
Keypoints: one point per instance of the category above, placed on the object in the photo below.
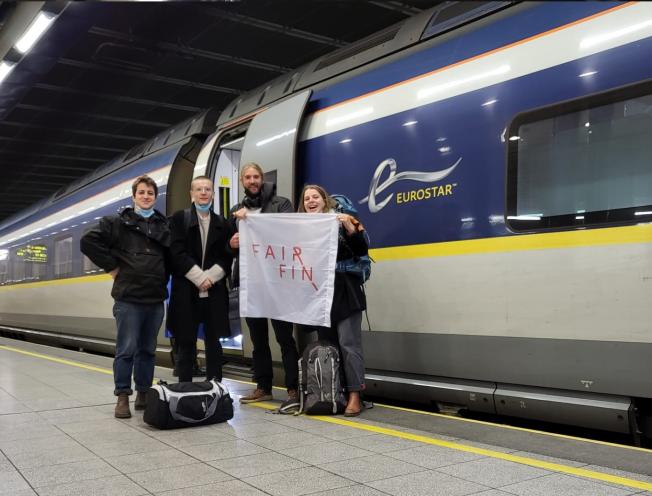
pixel 200 264
pixel 132 248
pixel 261 197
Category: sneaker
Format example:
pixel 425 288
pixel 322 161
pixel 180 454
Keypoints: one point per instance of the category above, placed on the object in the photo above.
pixel 291 405
pixel 122 406
pixel 257 395
pixel 141 401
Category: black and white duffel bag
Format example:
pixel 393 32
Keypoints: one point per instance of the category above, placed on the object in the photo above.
pixel 186 404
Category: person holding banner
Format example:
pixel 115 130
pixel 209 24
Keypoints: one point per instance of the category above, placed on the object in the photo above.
pixel 261 197
pixel 200 263
pixel 348 299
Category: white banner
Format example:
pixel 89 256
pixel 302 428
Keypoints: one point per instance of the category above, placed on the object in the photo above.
pixel 287 267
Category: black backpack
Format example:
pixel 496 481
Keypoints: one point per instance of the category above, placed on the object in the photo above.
pixel 186 404
pixel 320 388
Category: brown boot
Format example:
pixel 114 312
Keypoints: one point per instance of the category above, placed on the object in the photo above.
pixel 141 401
pixel 257 395
pixel 122 407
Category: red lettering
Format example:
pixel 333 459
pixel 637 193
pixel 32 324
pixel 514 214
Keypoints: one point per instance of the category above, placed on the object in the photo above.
pixel 296 254
pixel 282 252
pixel 281 270
pixel 254 246
pixel 307 274
pixel 270 252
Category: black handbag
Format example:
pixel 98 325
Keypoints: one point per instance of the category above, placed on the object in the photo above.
pixel 186 404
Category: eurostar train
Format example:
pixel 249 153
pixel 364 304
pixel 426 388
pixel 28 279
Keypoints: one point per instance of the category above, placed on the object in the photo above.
pixel 500 161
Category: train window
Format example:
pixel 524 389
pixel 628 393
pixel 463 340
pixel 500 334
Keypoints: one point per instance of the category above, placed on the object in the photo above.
pixel 4 267
pixel 17 265
pixel 89 267
pixel 582 163
pixel 63 257
pixel 37 270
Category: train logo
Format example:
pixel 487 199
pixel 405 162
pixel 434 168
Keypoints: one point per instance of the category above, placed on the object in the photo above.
pixel 409 196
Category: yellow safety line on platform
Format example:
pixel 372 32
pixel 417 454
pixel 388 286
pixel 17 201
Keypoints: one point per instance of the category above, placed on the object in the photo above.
pixel 57 360
pixel 515 428
pixel 491 424
pixel 554 467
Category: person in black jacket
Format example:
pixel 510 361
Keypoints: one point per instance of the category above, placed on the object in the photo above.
pixel 261 197
pixel 200 265
pixel 348 298
pixel 132 248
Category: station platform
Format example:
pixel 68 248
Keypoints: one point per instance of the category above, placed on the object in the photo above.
pixel 58 436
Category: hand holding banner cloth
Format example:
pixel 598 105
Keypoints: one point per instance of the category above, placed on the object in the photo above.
pixel 287 267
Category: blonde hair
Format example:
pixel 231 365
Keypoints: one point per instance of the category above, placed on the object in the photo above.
pixel 329 203
pixel 251 165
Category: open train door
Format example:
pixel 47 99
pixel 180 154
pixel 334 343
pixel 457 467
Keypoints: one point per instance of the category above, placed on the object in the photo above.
pixel 271 142
pixel 267 136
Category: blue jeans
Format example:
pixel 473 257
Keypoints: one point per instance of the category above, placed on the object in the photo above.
pixel 135 347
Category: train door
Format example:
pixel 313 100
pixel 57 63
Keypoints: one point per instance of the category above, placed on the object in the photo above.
pixel 270 139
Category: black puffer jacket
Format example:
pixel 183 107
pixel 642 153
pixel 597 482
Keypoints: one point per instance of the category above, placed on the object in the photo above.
pixel 139 247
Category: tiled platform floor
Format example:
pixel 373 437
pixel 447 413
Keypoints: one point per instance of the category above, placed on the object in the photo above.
pixel 58 437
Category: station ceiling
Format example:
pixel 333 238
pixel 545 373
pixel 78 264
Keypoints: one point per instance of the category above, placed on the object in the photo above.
pixel 107 76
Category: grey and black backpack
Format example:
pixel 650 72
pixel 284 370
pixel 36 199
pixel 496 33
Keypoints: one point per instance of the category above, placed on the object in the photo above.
pixel 320 388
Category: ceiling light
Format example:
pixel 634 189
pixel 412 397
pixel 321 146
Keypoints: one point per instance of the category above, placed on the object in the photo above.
pixel 588 73
pixel 237 140
pixel 410 123
pixel 346 140
pixel 490 102
pixel 514 138
pixel 34 32
pixel 5 69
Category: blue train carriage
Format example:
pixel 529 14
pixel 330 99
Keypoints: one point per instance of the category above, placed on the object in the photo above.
pixel 499 162
pixel 47 287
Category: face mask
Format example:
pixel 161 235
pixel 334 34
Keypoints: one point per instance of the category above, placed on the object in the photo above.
pixel 203 208
pixel 147 213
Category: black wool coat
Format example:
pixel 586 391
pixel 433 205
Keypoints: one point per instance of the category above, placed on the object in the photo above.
pixel 185 251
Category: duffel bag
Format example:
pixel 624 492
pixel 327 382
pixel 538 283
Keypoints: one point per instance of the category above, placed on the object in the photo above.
pixel 186 404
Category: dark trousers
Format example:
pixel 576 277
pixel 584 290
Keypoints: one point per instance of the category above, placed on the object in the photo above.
pixel 347 336
pixel 135 346
pixel 262 355
pixel 187 349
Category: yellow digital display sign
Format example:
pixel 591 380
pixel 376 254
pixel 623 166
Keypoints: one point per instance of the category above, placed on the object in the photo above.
pixel 33 253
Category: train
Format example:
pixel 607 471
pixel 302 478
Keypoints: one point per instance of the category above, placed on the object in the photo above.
pixel 498 159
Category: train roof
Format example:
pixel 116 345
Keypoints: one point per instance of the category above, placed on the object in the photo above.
pixel 428 24
pixel 201 124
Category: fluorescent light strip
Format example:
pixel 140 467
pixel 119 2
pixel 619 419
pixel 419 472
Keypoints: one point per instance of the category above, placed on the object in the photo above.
pixel 34 32
pixel 5 69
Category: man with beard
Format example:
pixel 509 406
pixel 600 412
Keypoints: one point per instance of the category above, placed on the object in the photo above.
pixel 261 198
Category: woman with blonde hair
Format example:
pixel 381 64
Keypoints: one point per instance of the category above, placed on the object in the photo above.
pixel 348 300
